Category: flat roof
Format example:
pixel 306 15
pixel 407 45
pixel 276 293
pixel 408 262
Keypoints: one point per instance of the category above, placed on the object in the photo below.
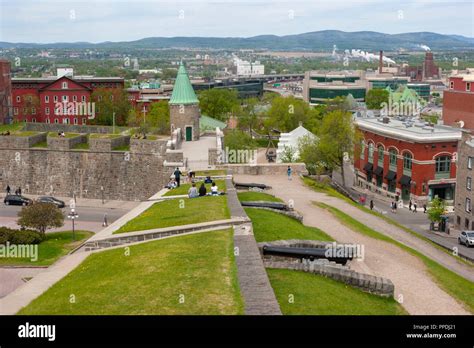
pixel 74 78
pixel 418 132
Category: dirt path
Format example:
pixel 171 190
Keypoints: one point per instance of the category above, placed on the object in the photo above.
pixel 419 293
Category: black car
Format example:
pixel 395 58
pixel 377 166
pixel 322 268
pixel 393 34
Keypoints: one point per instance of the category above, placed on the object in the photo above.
pixel 17 200
pixel 52 200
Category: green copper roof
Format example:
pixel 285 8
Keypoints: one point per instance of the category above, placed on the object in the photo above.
pixel 209 123
pixel 183 92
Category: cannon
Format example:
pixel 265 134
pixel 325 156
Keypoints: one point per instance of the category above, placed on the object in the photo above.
pixel 307 253
pixel 248 186
pixel 262 204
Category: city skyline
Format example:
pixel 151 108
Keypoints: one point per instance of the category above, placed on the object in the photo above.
pixel 116 20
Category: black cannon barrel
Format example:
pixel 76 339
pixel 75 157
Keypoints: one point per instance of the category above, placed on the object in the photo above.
pixel 273 205
pixel 246 185
pixel 305 253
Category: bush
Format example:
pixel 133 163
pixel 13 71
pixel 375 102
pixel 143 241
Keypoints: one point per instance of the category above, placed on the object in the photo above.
pixel 19 236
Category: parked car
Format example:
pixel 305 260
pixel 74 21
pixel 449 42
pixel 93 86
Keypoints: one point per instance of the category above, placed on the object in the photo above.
pixel 466 238
pixel 52 200
pixel 17 200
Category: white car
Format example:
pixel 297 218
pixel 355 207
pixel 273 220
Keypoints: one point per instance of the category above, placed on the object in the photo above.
pixel 466 238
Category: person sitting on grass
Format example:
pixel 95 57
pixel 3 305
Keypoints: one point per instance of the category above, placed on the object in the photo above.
pixel 172 184
pixel 208 180
pixel 214 189
pixel 193 192
pixel 202 190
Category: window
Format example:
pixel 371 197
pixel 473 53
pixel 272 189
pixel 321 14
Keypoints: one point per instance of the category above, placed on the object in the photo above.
pixel 443 164
pixel 65 98
pixel 468 205
pixel 46 111
pixel 469 163
pixel 380 155
pixel 48 120
pixel 18 99
pixel 56 120
pixel 83 121
pixel 75 120
pixel 33 120
pixel 25 111
pixel 393 157
pixel 407 161
pixel 15 111
pixel 33 111
pixel 466 223
pixel 46 98
pixel 74 98
pixel 55 98
pixel 469 183
pixel 83 98
pixel 362 149
pixel 468 86
pixel 451 85
pixel 371 152
pixel 64 85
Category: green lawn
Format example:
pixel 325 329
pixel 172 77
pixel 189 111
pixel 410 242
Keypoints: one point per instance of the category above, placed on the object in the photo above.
pixel 24 133
pixel 81 146
pixel 55 245
pixel 184 188
pixel 178 212
pixel 457 286
pixel 313 294
pixel 269 226
pixel 41 144
pixel 198 269
pixel 17 126
pixel 104 135
pixel 250 196
pixel 213 172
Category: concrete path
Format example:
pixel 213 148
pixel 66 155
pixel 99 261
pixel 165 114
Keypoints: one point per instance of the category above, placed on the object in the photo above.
pixel 414 287
pixel 197 152
pixel 22 296
pixel 255 286
pixel 13 277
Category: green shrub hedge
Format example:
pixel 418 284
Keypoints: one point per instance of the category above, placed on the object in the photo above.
pixel 19 236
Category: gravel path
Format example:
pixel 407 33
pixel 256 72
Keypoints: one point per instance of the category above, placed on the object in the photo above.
pixel 418 293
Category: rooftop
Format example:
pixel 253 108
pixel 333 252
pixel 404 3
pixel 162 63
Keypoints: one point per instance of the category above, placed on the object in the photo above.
pixel 414 130
pixel 183 92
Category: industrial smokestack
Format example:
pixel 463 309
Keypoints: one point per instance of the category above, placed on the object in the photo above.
pixel 381 62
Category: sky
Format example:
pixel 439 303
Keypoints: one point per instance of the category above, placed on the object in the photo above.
pixel 46 21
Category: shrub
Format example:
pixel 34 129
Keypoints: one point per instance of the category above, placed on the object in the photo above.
pixel 40 216
pixel 19 236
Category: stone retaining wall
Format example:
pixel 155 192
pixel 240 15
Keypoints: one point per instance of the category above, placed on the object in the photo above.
pixel 63 144
pixel 264 169
pixel 108 144
pixel 58 127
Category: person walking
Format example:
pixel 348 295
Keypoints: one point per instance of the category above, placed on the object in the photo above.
pixel 371 205
pixel 414 207
pixel 288 171
pixel 409 205
pixel 177 176
pixel 395 206
pixel 8 190
pixel 424 208
pixel 392 207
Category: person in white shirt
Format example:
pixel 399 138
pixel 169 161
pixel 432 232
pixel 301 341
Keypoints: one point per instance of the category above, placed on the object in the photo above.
pixel 214 189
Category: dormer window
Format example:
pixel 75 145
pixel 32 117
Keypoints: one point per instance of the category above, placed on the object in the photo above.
pixel 64 85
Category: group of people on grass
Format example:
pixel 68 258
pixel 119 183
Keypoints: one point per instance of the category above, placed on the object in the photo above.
pixel 193 191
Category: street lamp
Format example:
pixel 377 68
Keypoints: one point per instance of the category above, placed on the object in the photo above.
pixel 73 216
pixel 102 193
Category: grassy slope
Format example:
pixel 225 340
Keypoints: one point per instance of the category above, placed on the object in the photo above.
pixel 178 212
pixel 17 126
pixel 183 189
pixel 459 287
pixel 151 279
pixel 317 295
pixel 250 196
pixel 269 226
pixel 55 245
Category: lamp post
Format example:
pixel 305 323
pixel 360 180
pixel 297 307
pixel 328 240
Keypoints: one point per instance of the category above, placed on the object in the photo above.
pixel 102 193
pixel 73 216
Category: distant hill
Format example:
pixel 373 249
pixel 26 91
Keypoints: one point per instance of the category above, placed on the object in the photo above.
pixel 318 40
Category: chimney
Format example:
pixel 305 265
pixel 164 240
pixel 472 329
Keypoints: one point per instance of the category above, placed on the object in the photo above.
pixel 381 62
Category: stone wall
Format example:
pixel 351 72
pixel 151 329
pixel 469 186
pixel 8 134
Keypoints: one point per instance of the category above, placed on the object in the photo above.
pixel 108 144
pixel 63 171
pixel 58 127
pixel 264 169
pixel 185 115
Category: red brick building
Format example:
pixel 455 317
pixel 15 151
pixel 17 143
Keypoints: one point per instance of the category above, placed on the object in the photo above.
pixel 428 70
pixel 458 101
pixel 5 91
pixel 410 160
pixel 57 100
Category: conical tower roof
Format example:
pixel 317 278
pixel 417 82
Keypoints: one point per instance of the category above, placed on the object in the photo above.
pixel 183 92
